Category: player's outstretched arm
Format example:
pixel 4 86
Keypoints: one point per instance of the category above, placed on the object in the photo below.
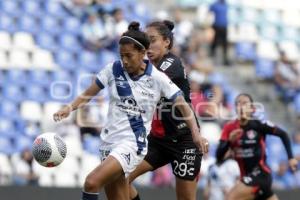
pixel 81 100
pixel 190 120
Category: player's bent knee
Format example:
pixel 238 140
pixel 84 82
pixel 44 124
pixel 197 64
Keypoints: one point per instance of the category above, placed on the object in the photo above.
pixel 91 184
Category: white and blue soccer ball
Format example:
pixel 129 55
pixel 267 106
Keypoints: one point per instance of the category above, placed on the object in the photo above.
pixel 49 149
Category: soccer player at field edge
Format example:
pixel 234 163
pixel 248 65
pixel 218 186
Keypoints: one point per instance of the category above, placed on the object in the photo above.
pixel 170 139
pixel 246 137
pixel 135 89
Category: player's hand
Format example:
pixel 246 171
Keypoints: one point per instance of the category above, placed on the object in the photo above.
pixel 62 113
pixel 293 163
pixel 234 134
pixel 201 143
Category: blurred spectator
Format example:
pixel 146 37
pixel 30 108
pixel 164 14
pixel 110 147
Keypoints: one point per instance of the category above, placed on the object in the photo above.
pixel 219 10
pixel 283 178
pixel 94 34
pixel 77 8
pixel 162 176
pixel 183 28
pixel 22 168
pixel 287 77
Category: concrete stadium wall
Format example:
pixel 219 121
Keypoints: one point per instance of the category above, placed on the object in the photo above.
pixel 38 193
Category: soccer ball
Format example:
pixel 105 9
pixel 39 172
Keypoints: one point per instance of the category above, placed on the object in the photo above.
pixel 49 149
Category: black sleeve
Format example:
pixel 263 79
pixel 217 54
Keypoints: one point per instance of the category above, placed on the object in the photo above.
pixel 221 150
pixel 269 128
pixel 174 70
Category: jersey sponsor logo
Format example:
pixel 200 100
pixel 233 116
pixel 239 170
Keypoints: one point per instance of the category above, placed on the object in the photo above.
pixel 181 125
pixel 126 157
pixel 251 134
pixel 165 65
pixel 151 95
pixel 104 154
pixel 129 106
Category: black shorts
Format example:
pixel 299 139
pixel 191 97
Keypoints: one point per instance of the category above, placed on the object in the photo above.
pixel 182 153
pixel 261 182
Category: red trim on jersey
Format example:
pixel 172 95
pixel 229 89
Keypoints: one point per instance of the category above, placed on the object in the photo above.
pixel 157 128
pixel 263 156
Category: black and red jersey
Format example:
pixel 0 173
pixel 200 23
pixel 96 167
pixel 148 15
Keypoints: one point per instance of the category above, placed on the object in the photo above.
pixel 249 147
pixel 165 124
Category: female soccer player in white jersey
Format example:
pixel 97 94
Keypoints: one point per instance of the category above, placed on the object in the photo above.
pixel 135 89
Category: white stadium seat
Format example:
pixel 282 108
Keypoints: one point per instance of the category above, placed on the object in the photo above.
pixel 5 41
pixel 267 49
pixel 23 41
pixel 31 111
pixel 19 59
pixel 291 49
pixel 5 170
pixel 65 179
pixel 3 60
pixel 43 59
pixel 247 33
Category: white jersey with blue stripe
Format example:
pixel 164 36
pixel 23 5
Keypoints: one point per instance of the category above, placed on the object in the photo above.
pixel 132 101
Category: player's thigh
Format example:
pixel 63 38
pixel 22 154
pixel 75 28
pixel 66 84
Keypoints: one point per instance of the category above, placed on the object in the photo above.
pixel 118 189
pixel 186 189
pixel 109 170
pixel 142 168
pixel 241 192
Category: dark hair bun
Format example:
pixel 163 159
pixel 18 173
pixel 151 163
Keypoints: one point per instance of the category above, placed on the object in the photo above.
pixel 135 26
pixel 169 24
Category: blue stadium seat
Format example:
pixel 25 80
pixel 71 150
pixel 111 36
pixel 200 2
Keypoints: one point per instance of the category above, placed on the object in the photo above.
pixel 2 77
pixel 55 9
pixel 46 41
pixel 9 109
pixel 11 8
pixel 27 23
pixel 72 25
pixel 70 42
pixel 61 75
pixel 13 92
pixel 91 144
pixel 245 51
pixel 88 60
pixel 7 23
pixel 40 77
pixel 6 127
pixel 6 145
pixel 22 142
pixel 62 92
pixel 51 24
pixel 32 7
pixel 264 68
pixel 35 92
pixel 66 60
pixel 106 57
pixel 16 76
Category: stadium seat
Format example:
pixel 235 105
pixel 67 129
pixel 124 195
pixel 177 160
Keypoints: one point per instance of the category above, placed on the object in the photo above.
pixel 5 41
pixel 50 107
pixel 66 60
pixel 11 7
pixel 23 41
pixel 69 42
pixel 61 75
pixel 91 144
pixel 6 127
pixel 65 179
pixel 13 92
pixel 28 24
pixel 22 142
pixel 43 59
pixel 267 49
pixel 7 23
pixel 291 49
pixel 249 15
pixel 6 145
pixel 290 18
pixel 46 175
pixel 20 59
pixel 245 51
pixel 31 111
pixel 234 15
pixel 49 22
pixel 16 76
pixel 88 163
pixel 61 91
pixel 35 92
pixel 74 144
pixel 264 68
pixel 297 104
pixel 6 169
pixel 9 109
pixel 40 77
pixel 88 60
pixel 55 8
pixel 32 7
pixel 271 16
pixel 72 25
pixel 289 33
pixel 105 57
pixel 247 32
pixel 269 32
pixel 46 41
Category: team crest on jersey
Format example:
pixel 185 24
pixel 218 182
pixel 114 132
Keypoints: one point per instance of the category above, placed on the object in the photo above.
pixel 149 82
pixel 126 157
pixel 251 134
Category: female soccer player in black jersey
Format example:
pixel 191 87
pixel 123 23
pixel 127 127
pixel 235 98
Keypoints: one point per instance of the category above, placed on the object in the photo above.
pixel 246 137
pixel 170 140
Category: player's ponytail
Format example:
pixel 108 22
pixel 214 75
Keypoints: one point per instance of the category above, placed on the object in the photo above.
pixel 164 28
pixel 135 36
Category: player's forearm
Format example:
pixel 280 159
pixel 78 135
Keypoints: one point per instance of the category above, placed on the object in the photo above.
pixel 221 150
pixel 285 140
pixel 188 116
